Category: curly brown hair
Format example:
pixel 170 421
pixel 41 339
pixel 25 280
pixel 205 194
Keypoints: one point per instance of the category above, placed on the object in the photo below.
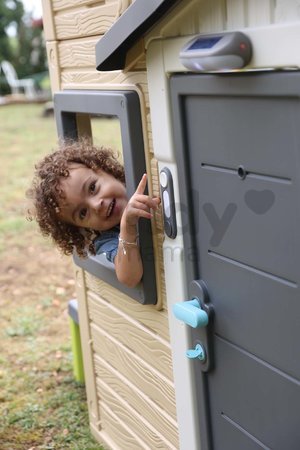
pixel 46 192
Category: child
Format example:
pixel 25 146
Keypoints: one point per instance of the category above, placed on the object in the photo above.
pixel 80 200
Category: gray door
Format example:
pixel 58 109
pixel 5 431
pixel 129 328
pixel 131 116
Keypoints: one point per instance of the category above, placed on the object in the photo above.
pixel 237 141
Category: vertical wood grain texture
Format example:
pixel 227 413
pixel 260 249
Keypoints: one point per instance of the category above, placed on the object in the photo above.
pixel 260 12
pixel 236 13
pixel 136 57
pixel 159 234
pixel 191 17
pixel 152 170
pixel 287 11
pixel 180 20
pixel 212 16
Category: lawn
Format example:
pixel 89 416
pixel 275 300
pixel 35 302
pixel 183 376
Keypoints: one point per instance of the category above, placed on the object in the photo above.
pixel 41 406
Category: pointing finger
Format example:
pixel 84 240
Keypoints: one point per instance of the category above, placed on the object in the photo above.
pixel 142 185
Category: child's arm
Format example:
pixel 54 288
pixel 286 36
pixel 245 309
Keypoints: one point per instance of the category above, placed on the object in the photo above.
pixel 128 263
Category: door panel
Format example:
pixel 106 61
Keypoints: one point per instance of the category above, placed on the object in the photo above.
pixel 255 313
pixel 237 141
pixel 264 214
pixel 237 437
pixel 253 396
pixel 250 124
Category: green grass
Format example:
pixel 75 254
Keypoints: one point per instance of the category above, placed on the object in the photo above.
pixel 25 323
pixel 107 132
pixel 24 137
pixel 41 406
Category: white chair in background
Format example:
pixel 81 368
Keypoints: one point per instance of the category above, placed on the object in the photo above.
pixel 17 85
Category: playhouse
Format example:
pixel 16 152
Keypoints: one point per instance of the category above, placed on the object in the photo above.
pixel 203 353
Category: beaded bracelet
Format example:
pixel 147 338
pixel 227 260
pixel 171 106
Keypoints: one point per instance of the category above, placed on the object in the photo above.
pixel 123 243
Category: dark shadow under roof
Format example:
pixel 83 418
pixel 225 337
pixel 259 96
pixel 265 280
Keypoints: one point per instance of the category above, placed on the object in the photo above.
pixel 134 22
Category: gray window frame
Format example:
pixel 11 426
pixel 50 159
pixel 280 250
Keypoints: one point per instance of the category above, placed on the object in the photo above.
pixel 125 106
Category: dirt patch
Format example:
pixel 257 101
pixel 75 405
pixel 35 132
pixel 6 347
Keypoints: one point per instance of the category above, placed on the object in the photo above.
pixel 36 271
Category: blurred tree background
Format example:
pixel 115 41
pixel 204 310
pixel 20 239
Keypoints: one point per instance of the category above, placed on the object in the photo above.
pixel 21 42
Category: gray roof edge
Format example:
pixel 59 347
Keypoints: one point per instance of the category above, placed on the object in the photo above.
pixel 141 15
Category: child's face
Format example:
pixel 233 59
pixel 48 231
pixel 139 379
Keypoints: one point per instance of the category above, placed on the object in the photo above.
pixel 93 200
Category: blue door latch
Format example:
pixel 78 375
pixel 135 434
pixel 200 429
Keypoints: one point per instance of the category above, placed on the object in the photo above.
pixel 190 313
pixel 197 352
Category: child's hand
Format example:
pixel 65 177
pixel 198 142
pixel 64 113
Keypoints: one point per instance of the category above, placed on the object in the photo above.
pixel 139 205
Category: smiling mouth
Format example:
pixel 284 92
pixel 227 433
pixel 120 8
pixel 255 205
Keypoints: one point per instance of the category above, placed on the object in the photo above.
pixel 110 208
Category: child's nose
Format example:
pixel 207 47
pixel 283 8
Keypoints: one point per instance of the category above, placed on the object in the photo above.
pixel 96 203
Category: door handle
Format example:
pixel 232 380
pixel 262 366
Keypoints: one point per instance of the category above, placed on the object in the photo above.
pixel 198 313
pixel 191 313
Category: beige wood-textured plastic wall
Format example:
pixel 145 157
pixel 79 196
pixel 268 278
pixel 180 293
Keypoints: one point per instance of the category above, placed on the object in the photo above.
pixel 127 355
pixel 126 345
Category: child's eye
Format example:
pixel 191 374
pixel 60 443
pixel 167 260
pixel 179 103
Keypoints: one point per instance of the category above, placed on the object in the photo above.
pixel 92 187
pixel 82 213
